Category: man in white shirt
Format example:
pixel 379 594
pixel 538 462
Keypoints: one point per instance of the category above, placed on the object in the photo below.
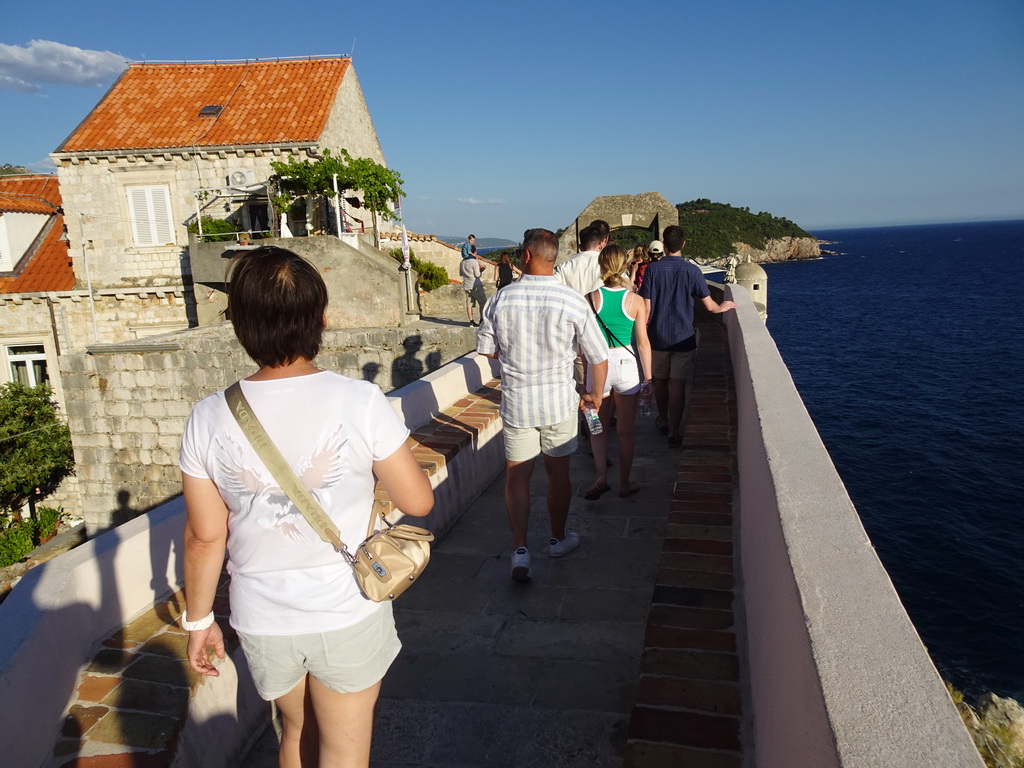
pixel 472 286
pixel 534 327
pixel 581 272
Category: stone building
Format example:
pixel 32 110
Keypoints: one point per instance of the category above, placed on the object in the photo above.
pixel 170 143
pixel 38 304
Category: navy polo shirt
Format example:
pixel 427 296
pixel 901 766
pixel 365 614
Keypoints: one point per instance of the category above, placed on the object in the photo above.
pixel 673 285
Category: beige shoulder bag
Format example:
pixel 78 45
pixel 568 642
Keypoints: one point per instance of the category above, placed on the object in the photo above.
pixel 386 563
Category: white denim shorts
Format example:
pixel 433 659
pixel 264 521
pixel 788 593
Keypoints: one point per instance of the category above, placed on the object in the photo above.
pixel 345 660
pixel 555 440
pixel 623 374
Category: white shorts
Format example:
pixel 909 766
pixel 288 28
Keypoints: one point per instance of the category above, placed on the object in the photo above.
pixel 525 443
pixel 623 373
pixel 346 660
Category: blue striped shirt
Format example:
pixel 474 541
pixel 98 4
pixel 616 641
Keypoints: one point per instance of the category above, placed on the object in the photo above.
pixel 535 326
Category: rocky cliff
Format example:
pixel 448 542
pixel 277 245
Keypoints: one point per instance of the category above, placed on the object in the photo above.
pixel 783 249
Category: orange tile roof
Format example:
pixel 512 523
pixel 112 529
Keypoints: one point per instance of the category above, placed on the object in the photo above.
pixel 49 267
pixel 156 106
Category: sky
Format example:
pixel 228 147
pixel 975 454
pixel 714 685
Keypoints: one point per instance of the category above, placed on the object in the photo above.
pixel 504 116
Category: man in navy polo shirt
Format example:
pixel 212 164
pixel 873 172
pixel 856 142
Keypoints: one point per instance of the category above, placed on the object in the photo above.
pixel 670 289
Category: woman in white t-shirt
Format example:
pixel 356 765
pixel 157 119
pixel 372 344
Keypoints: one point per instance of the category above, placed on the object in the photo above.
pixel 313 642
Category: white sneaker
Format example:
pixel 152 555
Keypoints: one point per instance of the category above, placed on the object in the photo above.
pixel 558 548
pixel 521 564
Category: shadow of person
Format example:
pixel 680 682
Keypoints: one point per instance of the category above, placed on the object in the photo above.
pixel 371 371
pixel 124 511
pixel 407 368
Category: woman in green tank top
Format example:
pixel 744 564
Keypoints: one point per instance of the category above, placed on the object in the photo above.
pixel 622 317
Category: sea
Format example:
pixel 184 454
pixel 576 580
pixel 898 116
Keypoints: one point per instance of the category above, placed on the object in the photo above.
pixel 907 346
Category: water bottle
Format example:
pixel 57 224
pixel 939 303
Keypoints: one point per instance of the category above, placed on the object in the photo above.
pixel 644 407
pixel 593 419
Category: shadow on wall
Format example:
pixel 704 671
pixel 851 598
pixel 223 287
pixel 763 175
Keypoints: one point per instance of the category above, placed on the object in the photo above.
pixel 406 368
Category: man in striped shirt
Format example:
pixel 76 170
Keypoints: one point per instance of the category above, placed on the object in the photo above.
pixel 534 327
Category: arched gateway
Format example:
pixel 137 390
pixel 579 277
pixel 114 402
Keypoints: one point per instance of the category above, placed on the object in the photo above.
pixel 648 211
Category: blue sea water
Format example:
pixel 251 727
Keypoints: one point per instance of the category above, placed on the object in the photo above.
pixel 908 350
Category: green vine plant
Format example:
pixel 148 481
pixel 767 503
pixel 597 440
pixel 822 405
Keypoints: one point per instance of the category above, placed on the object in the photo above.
pixel 380 185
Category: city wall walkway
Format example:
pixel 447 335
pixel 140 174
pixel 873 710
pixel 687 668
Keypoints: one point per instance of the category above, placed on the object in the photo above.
pixel 623 653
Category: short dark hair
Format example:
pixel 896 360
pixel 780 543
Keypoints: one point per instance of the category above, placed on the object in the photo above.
pixel 674 238
pixel 602 227
pixel 541 243
pixel 590 238
pixel 471 236
pixel 276 303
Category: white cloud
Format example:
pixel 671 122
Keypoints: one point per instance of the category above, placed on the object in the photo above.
pixel 23 68
pixel 474 201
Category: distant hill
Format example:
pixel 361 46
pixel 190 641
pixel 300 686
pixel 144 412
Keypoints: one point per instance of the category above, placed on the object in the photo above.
pixel 713 229
pixel 481 242
pixel 10 170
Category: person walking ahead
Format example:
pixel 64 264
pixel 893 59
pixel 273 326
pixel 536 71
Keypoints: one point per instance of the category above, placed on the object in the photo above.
pixel 533 327
pixel 671 287
pixel 622 316
pixel 314 644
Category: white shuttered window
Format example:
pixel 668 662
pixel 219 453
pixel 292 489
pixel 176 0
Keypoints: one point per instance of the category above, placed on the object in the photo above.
pixel 150 211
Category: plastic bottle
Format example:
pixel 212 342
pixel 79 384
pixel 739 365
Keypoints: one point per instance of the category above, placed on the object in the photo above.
pixel 644 404
pixel 593 419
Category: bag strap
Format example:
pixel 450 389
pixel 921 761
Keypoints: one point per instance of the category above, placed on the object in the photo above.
pixel 282 473
pixel 607 330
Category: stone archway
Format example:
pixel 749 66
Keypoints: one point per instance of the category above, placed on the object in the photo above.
pixel 649 210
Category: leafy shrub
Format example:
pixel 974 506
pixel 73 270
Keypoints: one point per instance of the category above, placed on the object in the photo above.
pixel 47 521
pixel 431 275
pixel 20 537
pixel 35 445
pixel 16 542
pixel 214 230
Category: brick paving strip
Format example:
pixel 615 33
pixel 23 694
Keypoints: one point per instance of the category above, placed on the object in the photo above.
pixel 688 708
pixel 131 698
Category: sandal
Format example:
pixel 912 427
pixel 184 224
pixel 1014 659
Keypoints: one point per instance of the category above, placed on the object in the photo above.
pixel 596 493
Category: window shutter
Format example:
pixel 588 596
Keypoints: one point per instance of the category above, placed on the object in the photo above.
pixel 142 230
pixel 164 227
pixel 150 211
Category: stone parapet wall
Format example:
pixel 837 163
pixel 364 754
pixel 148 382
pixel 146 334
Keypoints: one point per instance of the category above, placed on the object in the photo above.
pixel 127 404
pixel 838 676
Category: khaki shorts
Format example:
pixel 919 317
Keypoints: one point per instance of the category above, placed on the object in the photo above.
pixel 346 660
pixel 475 295
pixel 673 365
pixel 556 440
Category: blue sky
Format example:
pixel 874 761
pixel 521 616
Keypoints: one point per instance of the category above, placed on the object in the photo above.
pixel 513 115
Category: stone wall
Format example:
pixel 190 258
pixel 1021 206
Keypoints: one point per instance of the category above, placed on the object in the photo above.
pixel 428 248
pixel 127 404
pixel 649 210
pixel 364 285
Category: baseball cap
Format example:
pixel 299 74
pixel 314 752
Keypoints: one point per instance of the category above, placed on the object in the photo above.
pixel 656 247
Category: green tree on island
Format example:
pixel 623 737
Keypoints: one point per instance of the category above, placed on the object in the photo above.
pixel 712 228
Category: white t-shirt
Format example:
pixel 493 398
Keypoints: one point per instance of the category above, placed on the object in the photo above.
pixel 581 272
pixel 330 429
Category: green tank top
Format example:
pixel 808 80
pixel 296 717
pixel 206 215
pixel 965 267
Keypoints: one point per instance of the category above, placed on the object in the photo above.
pixel 613 315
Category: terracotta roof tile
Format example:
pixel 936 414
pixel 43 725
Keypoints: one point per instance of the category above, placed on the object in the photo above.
pixel 49 267
pixel 156 106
